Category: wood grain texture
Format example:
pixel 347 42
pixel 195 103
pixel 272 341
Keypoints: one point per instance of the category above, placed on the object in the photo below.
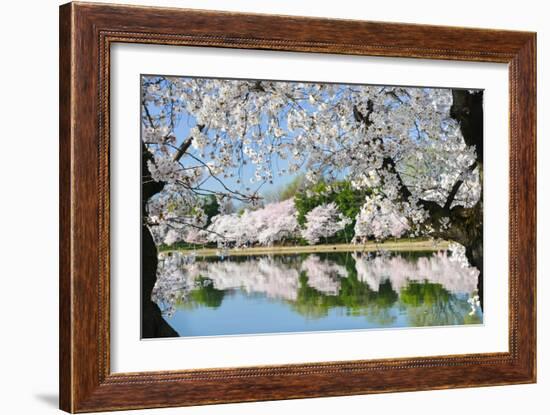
pixel 65 248
pixel 86 33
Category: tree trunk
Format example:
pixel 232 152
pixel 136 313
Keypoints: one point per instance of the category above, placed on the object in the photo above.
pixel 474 253
pixel 153 324
pixel 467 229
pixel 467 109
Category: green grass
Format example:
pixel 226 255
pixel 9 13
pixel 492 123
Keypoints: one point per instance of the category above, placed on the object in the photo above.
pixel 397 245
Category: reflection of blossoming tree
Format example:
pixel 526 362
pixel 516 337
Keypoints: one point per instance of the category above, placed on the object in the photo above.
pixel 323 275
pixel 419 149
pixel 439 268
pixel 373 278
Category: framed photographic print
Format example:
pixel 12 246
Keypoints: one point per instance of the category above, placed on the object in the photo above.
pixel 260 207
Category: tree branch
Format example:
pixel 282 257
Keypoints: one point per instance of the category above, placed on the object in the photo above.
pixel 389 165
pixel 365 119
pixel 185 145
pixel 452 194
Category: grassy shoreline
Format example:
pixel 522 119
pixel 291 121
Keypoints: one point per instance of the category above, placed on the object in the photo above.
pixel 399 245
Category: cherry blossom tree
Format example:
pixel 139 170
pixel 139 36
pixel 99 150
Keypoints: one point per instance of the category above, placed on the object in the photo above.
pixel 379 218
pixel 406 143
pixel 323 222
pixel 273 223
pixel 278 222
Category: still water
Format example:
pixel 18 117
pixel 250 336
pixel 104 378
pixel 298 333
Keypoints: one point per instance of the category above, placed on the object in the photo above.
pixel 314 292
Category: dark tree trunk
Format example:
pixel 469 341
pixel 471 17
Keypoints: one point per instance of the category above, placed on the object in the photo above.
pixel 467 229
pixel 467 109
pixel 474 253
pixel 153 324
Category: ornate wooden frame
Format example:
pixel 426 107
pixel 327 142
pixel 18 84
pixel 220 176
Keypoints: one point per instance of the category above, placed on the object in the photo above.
pixel 86 33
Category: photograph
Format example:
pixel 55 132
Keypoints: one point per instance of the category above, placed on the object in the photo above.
pixel 284 206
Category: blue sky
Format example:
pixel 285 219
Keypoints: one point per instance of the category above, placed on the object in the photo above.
pixel 247 172
pixel 187 122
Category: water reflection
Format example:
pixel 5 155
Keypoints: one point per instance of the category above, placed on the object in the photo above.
pixel 304 292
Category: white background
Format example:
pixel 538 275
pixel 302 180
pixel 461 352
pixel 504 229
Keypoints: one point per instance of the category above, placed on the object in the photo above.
pixel 29 206
pixel 129 354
